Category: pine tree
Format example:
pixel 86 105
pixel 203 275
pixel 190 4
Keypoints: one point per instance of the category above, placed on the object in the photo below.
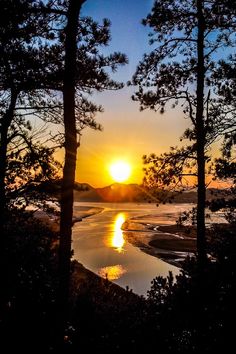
pixel 85 70
pixel 24 53
pixel 189 35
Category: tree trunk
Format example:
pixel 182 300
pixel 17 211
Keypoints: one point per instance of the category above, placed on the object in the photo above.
pixel 5 124
pixel 70 154
pixel 200 131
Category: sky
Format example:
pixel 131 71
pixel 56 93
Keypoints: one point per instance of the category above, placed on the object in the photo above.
pixel 127 133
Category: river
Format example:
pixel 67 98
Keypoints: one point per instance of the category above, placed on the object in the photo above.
pixel 99 245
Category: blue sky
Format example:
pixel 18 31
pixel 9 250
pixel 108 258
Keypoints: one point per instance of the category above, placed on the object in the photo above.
pixel 128 35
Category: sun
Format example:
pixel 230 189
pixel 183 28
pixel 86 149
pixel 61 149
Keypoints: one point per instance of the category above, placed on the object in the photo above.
pixel 120 171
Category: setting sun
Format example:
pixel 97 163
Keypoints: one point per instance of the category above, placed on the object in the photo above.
pixel 120 171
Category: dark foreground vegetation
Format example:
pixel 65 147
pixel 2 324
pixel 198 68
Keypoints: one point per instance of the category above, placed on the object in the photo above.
pixel 192 315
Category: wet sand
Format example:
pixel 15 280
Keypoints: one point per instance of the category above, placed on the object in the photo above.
pixel 171 243
pixel 79 213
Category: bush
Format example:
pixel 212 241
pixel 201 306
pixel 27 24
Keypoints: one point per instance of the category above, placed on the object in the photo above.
pixel 28 273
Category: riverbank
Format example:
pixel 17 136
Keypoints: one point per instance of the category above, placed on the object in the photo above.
pixel 83 278
pixel 80 212
pixel 171 243
pixel 164 239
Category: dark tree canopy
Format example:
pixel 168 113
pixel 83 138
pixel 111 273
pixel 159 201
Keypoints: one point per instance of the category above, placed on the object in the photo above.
pixel 24 51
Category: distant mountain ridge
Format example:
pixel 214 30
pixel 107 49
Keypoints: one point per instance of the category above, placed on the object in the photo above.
pixel 121 193
pixel 116 193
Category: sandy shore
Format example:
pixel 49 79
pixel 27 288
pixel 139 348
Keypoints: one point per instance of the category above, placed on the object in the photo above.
pixel 84 278
pixel 171 243
pixel 79 213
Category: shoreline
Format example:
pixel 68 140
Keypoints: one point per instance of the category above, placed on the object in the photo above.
pixel 82 212
pixel 170 243
pixel 82 277
pixel 79 213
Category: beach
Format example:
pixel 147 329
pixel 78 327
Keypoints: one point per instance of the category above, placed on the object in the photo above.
pixel 171 243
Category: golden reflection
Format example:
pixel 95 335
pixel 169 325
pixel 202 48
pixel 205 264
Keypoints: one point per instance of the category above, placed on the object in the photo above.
pixel 117 240
pixel 112 272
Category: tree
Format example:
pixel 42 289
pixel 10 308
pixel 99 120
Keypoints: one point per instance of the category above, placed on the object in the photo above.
pixel 189 36
pixel 67 190
pixel 30 162
pixel 41 61
pixel 224 167
pixel 85 69
pixel 31 82
pixel 23 74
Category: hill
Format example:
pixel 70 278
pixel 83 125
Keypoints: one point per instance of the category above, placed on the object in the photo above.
pixel 83 192
pixel 114 193
pixel 122 193
pixel 119 192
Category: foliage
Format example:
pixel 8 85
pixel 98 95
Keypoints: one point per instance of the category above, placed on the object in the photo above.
pixel 25 64
pixel 225 166
pixel 110 317
pixel 29 281
pixel 166 77
pixel 187 218
pixel 196 311
pixel 29 162
pixel 189 35
pixel 190 314
pixel 170 170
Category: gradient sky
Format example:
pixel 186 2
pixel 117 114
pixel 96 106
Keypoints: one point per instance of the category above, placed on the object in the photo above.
pixel 127 133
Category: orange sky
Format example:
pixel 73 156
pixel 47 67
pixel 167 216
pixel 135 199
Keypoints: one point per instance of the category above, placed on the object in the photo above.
pixel 127 135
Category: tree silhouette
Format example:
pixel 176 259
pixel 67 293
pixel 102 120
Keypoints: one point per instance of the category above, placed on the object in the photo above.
pixel 31 78
pixel 85 69
pixel 30 162
pixel 189 36
pixel 48 55
pixel 69 87
pixel 25 60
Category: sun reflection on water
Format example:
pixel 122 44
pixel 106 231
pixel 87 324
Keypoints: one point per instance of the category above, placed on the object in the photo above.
pixel 117 240
pixel 112 272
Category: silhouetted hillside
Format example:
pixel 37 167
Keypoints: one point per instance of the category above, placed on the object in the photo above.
pixel 119 192
pixel 85 193
pixel 114 193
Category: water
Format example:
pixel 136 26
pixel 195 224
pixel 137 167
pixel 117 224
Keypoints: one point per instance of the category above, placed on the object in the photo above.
pixel 99 245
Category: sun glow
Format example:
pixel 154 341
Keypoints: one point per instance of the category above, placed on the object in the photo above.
pixel 117 240
pixel 120 171
pixel 112 272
